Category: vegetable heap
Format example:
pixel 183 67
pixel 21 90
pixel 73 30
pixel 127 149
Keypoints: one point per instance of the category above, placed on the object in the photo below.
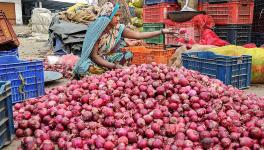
pixel 142 107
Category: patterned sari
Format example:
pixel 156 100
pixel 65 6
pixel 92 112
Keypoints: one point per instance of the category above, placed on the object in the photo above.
pixel 109 49
pixel 109 44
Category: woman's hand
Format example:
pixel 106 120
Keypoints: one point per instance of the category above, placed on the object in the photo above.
pixel 167 31
pixel 132 42
pixel 117 66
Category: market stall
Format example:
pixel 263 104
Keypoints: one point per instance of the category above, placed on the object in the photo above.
pixel 184 88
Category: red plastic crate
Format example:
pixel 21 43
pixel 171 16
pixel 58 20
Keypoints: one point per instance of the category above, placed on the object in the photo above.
pixel 230 13
pixel 158 13
pixel 193 32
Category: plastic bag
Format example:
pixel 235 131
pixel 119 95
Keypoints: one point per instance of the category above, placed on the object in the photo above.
pixel 257 59
pixel 210 38
pixel 68 60
pixel 250 45
pixel 52 60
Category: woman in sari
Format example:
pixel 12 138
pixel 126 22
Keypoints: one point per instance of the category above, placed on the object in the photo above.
pixel 106 54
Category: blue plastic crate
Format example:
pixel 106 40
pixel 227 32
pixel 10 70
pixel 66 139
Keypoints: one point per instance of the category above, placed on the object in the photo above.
pixel 13 51
pixel 7 131
pixel 231 70
pixel 27 77
pixel 151 2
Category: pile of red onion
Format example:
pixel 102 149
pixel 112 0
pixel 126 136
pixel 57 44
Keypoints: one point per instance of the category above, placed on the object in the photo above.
pixel 65 70
pixel 142 107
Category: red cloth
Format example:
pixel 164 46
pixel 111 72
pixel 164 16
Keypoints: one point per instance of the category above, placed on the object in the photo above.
pixel 250 45
pixel 203 22
pixel 208 37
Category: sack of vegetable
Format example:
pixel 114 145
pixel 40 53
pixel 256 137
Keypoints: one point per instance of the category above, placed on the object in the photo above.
pixel 139 12
pixel 137 22
pixel 138 3
pixel 257 59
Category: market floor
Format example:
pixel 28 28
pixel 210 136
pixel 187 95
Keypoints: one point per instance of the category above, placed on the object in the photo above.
pixel 35 47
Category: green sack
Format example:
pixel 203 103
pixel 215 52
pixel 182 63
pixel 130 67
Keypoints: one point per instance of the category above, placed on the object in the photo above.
pixel 257 59
pixel 139 12
pixel 137 22
pixel 138 3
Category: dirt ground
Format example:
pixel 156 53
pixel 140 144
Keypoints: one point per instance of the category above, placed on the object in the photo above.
pixel 36 48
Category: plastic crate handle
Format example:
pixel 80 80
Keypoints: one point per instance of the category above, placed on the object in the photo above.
pixel 240 60
pixel 21 87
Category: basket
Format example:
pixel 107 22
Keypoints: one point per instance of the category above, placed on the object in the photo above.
pixel 148 54
pixel 231 70
pixel 234 34
pixel 27 77
pixel 7 34
pixel 149 27
pixel 13 52
pixel 230 13
pixel 7 130
pixel 158 13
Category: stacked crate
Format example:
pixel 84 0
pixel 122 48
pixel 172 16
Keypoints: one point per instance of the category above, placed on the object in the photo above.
pixel 154 16
pixel 257 35
pixel 233 19
pixel 26 77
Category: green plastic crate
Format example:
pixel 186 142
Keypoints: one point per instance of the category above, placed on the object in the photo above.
pixel 149 27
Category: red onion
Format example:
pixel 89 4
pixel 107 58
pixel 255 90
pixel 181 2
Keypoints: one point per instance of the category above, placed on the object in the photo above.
pixel 28 132
pixel 102 132
pixel 47 145
pixel 149 133
pixel 246 141
pixel 142 143
pixel 77 143
pixel 142 107
pixel 108 145
pixel 99 142
pixel 19 133
pixel 121 132
pixel 132 137
pixel 54 135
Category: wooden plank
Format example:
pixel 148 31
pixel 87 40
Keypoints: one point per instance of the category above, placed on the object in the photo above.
pixel 9 10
